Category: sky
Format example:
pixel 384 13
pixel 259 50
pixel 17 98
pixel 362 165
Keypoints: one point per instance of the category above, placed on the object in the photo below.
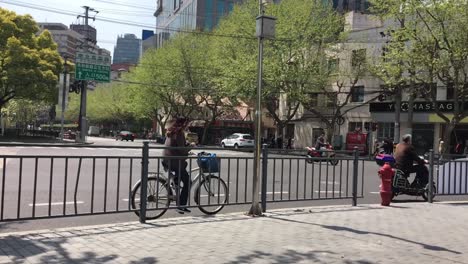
pixel 138 12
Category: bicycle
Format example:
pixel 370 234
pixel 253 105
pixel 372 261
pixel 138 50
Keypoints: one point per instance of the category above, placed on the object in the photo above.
pixel 162 191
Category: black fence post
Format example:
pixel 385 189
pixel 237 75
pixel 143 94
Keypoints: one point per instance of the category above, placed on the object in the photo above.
pixel 431 176
pixel 264 176
pixel 144 181
pixel 355 175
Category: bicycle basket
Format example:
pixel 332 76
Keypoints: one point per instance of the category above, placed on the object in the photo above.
pixel 208 162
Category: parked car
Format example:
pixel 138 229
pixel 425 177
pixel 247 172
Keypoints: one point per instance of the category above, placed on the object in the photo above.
pixel 93 131
pixel 125 135
pixel 238 140
pixel 69 135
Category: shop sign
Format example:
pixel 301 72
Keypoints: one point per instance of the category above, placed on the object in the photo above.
pixel 418 107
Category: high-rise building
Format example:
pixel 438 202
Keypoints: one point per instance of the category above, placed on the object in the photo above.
pixel 128 49
pixel 88 31
pixel 68 41
pixel 174 15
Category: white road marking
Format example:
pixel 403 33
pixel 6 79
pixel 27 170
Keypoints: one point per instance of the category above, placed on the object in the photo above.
pixel 452 202
pixel 329 191
pixel 329 182
pixel 275 192
pixel 374 192
pixel 57 203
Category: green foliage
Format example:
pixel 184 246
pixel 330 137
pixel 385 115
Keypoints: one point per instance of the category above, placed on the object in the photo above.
pixel 428 44
pixel 25 112
pixel 108 103
pixel 29 63
pixel 295 63
pixel 428 48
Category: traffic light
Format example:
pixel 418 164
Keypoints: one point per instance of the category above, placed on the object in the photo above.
pixel 76 86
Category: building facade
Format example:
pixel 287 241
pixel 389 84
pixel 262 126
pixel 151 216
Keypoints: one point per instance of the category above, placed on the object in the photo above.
pixel 175 15
pixel 374 115
pixel 128 49
pixel 70 42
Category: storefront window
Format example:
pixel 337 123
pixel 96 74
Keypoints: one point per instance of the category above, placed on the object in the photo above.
pixel 354 126
pixel 385 130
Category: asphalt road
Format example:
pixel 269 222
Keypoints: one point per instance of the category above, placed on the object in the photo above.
pixel 103 180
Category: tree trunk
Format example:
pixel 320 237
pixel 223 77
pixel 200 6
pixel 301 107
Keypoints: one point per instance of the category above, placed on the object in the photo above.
pixel 411 110
pixel 396 135
pixel 447 136
pixel 280 137
pixel 205 131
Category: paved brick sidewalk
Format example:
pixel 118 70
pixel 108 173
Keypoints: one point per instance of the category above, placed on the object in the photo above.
pixel 406 233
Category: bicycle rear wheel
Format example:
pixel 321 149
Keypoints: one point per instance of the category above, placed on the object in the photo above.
pixel 211 194
pixel 158 197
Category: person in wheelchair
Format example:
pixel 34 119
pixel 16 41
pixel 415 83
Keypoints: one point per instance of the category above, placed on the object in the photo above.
pixel 406 157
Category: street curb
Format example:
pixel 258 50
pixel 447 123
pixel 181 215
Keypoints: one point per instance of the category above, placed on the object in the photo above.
pixel 60 144
pixel 297 210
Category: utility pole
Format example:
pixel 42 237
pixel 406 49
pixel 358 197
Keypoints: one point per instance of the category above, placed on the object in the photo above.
pixel 84 86
pixel 64 88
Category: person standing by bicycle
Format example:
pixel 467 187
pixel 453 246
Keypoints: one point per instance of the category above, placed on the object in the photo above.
pixel 176 159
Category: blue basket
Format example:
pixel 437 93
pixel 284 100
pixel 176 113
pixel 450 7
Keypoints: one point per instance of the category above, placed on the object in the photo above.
pixel 208 162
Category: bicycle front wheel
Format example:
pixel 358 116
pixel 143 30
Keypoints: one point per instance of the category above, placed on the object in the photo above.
pixel 157 197
pixel 211 194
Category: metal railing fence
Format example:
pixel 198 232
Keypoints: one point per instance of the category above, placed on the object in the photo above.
pixel 51 186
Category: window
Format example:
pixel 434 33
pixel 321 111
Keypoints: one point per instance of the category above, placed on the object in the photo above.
pixel 249 137
pixel 358 57
pixel 426 90
pixel 354 126
pixel 313 100
pixel 333 65
pixel 385 130
pixel 290 130
pixel 450 92
pixel 209 15
pixel 330 100
pixel 367 126
pixel 357 94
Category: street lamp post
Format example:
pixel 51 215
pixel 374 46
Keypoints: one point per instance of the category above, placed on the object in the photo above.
pixel 62 115
pixel 265 29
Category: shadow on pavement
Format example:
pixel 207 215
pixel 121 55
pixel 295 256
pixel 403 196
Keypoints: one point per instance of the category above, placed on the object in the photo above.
pixel 361 232
pixel 293 256
pixel 19 248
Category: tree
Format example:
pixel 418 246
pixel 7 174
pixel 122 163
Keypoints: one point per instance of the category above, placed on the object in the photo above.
pixel 29 63
pixel 292 62
pixel 108 103
pixel 434 51
pixel 178 79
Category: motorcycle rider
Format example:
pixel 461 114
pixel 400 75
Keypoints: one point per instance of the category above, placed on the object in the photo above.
pixel 320 145
pixel 405 156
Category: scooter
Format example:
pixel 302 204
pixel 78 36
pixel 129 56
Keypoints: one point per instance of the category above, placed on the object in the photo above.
pixel 327 154
pixel 401 184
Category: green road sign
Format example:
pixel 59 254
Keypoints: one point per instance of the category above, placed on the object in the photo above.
pixel 92 67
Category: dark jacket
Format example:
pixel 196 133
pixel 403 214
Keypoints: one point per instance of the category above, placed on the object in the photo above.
pixel 320 143
pixel 175 140
pixel 405 156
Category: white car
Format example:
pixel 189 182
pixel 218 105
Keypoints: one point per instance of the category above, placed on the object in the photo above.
pixel 238 140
